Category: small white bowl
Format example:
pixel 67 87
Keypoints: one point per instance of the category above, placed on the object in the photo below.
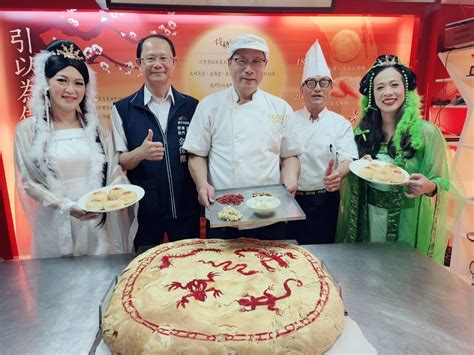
pixel 263 205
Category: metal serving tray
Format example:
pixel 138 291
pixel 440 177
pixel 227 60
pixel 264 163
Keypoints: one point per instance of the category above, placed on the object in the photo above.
pixel 289 210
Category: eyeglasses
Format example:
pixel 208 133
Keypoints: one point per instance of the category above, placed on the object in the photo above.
pixel 254 63
pixel 164 59
pixel 323 83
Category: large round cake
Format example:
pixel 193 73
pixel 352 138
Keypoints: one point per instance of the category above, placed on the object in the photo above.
pixel 216 296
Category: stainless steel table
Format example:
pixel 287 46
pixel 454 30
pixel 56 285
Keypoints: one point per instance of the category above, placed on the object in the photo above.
pixel 50 306
pixel 402 301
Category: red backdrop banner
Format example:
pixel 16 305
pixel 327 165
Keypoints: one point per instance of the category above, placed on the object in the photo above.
pixel 109 39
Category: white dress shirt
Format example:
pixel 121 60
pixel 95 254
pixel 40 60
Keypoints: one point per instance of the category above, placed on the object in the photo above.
pixel 322 138
pixel 243 143
pixel 159 107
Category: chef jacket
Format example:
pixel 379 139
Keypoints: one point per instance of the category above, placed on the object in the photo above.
pixel 243 143
pixel 331 133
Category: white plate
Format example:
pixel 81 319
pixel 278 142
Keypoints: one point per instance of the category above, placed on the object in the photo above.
pixel 127 187
pixel 357 165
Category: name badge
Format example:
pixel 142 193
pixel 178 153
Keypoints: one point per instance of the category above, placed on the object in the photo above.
pixel 183 124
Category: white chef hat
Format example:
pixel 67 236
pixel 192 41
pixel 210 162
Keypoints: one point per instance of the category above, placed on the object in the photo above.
pixel 248 41
pixel 315 63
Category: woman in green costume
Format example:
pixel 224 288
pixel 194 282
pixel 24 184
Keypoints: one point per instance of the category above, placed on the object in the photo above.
pixel 392 130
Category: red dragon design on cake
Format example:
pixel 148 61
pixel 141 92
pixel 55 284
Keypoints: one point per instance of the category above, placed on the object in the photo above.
pixel 267 256
pixel 166 260
pixel 227 266
pixel 197 288
pixel 243 295
pixel 267 299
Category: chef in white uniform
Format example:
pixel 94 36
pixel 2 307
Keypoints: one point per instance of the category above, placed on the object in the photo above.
pixel 329 147
pixel 243 136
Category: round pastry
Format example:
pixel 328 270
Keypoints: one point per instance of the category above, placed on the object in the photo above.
pixel 128 197
pixel 115 193
pixel 216 296
pixel 367 172
pixel 394 173
pixel 392 167
pixel 98 195
pixel 112 204
pixel 397 176
pixel 381 175
pixel 94 205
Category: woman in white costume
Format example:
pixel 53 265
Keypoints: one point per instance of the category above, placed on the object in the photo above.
pixel 63 152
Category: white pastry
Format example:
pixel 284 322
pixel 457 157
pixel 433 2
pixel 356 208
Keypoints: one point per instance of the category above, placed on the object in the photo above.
pixel 94 205
pixel 98 195
pixel 112 204
pixel 115 193
pixel 128 197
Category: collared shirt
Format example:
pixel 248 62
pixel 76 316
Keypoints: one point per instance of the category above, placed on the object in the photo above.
pixel 322 138
pixel 159 107
pixel 243 143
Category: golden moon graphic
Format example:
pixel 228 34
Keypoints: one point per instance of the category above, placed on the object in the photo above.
pixel 345 46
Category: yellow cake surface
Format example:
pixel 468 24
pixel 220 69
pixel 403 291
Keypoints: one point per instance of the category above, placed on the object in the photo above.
pixel 214 296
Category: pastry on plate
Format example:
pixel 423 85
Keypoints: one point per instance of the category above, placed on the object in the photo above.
pixel 112 204
pixel 115 193
pixel 129 197
pixel 99 195
pixel 94 205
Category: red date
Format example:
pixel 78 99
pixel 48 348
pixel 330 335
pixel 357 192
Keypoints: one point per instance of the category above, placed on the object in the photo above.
pixel 230 199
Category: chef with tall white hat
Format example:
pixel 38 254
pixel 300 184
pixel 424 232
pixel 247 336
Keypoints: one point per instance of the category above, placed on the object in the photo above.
pixel 329 147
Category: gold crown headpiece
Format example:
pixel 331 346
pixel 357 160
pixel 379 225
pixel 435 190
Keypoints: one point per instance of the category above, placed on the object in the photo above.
pixel 69 52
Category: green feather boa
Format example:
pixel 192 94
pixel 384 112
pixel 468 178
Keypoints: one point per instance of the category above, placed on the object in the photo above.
pixel 410 122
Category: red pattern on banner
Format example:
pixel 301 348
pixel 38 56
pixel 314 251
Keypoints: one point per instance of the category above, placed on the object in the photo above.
pixel 130 308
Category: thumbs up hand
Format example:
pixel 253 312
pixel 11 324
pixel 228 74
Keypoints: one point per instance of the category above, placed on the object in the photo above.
pixel 151 150
pixel 332 180
pixel 149 136
pixel 329 167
